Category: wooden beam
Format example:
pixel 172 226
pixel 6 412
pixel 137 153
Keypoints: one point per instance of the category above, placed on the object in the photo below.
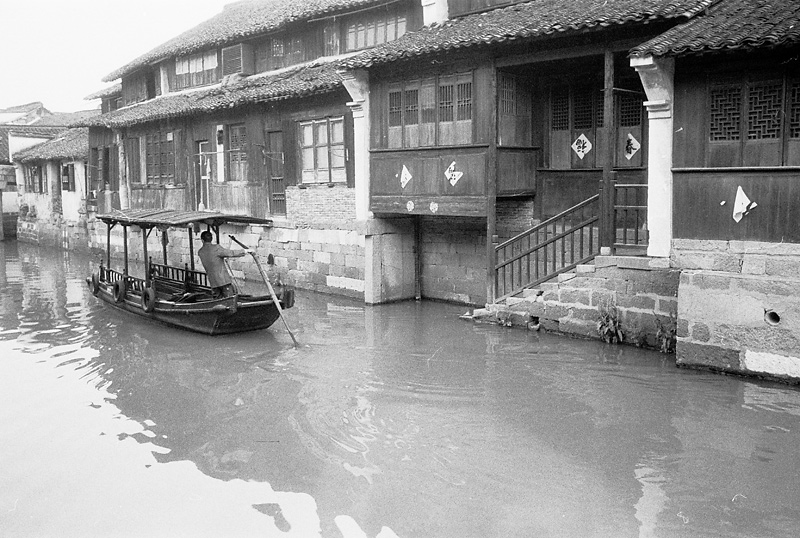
pixel 491 187
pixel 607 232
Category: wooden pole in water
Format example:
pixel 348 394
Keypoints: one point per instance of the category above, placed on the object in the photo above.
pixel 269 286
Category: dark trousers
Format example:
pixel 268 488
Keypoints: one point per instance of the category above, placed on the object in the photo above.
pixel 222 291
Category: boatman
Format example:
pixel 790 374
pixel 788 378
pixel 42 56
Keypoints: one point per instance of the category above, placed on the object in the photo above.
pixel 213 258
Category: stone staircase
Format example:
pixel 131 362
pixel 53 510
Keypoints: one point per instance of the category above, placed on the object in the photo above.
pixel 641 289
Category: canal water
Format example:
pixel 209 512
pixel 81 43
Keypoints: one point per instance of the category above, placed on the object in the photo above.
pixel 392 421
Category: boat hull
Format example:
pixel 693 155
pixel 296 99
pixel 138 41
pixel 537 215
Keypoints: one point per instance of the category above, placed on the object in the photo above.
pixel 213 317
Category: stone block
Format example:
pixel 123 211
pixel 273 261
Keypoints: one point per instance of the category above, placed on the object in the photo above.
pixel 706 356
pixel 667 306
pixel 634 262
pixel 706 281
pixel 583 314
pixel 585 269
pixel 531 293
pixel 322 257
pixel 578 327
pixel 563 277
pixel 534 309
pixel 575 296
pixel 783 266
pixel 641 302
pixel 603 298
pixel 700 332
pixel 552 325
pixel 754 265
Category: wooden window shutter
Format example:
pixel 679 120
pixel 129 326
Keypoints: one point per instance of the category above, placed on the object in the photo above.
pixel 238 59
pixel 290 148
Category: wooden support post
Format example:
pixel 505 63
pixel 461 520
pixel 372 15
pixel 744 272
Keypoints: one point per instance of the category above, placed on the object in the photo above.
pixel 191 246
pixel 164 242
pixel 125 247
pixel 607 232
pixel 108 244
pixel 145 233
pixel 491 189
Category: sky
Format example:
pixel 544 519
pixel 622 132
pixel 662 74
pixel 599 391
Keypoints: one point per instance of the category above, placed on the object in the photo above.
pixel 58 51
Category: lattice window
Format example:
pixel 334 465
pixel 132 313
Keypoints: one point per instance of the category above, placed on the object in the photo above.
pixel 600 110
pixel 508 95
pixel 559 109
pixel 765 102
pixel 464 101
pixel 630 110
pixel 237 152
pixel 395 109
pixel 411 107
pixel 446 102
pixel 725 113
pixel 794 110
pixel 582 109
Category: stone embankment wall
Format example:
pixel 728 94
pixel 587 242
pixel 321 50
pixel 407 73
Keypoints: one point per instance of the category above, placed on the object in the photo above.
pixel 739 309
pixel 643 291
pixel 54 232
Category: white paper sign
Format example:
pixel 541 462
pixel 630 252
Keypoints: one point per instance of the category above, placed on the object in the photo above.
pixel 581 146
pixel 632 146
pixel 452 175
pixel 405 177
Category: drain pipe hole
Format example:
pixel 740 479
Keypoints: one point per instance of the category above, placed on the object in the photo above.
pixel 772 317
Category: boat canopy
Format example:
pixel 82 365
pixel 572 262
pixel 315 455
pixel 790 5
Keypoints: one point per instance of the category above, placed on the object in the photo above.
pixel 164 218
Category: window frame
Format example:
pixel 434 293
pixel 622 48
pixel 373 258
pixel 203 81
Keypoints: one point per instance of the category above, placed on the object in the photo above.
pixel 236 153
pixel 69 184
pixel 318 174
pixel 370 29
pixel 739 128
pixel 434 111
pixel 187 74
pixel 159 154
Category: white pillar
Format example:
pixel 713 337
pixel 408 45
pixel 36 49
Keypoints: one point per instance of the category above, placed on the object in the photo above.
pixel 434 11
pixel 357 84
pixel 657 76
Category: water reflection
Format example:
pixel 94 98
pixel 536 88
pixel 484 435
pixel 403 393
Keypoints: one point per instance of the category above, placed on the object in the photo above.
pixel 398 420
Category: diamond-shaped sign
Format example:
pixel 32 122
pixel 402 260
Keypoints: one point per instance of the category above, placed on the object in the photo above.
pixel 631 147
pixel 405 177
pixel 581 146
pixel 452 175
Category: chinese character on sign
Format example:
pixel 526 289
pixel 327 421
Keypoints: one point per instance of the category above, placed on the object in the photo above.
pixel 452 175
pixel 405 177
pixel 434 207
pixel 581 146
pixel 410 205
pixel 631 146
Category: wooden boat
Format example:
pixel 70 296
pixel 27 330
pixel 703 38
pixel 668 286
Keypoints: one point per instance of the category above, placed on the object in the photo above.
pixel 181 296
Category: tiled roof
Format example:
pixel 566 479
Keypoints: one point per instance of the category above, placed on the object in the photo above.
pixel 527 20
pixel 731 25
pixel 292 83
pixel 4 158
pixel 36 131
pixel 240 20
pixel 114 89
pixel 28 107
pixel 65 119
pixel 69 144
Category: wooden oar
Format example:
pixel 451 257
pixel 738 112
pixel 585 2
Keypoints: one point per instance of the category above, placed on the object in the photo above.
pixel 269 286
